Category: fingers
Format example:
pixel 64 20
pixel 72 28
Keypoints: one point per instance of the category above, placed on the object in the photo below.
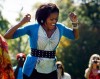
pixel 72 14
pixel 73 17
pixel 28 17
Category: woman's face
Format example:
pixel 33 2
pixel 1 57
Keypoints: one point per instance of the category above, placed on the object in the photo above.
pixel 51 21
pixel 95 61
pixel 59 68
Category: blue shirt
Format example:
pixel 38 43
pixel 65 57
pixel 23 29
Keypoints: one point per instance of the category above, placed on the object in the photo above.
pixel 20 74
pixel 32 32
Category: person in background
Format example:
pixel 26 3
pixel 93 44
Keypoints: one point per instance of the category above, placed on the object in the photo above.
pixel 60 71
pixel 6 70
pixel 44 37
pixel 93 70
pixel 18 69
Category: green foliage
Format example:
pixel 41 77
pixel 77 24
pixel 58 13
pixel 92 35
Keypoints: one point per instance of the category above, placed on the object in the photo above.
pixel 14 45
pixel 3 25
pixel 76 55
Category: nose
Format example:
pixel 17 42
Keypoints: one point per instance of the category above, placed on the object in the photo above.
pixel 95 59
pixel 54 21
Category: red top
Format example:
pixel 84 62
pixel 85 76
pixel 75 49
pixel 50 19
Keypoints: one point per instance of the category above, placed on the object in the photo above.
pixel 94 75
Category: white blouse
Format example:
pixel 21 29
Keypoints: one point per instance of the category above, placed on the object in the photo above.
pixel 66 76
pixel 46 65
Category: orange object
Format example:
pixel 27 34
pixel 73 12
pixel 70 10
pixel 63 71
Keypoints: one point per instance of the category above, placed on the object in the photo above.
pixel 6 71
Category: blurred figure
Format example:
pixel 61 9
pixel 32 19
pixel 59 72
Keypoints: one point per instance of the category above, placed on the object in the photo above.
pixel 60 71
pixel 18 69
pixel 93 70
pixel 6 70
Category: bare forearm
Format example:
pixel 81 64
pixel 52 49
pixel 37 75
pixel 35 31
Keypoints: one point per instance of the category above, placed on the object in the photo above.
pixel 10 32
pixel 87 75
pixel 87 72
pixel 75 30
pixel 74 20
pixel 76 33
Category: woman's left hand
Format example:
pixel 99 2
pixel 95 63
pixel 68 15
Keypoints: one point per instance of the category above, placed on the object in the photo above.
pixel 73 17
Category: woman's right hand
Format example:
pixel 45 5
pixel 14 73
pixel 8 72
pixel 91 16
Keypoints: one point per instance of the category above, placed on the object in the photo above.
pixel 10 32
pixel 26 19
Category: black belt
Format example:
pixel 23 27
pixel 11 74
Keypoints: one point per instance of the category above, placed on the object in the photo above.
pixel 42 53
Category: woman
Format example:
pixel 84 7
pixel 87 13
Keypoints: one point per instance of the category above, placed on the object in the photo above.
pixel 60 71
pixel 93 70
pixel 44 37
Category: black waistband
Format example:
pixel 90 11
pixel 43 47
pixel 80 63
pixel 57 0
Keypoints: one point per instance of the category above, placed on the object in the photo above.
pixel 42 53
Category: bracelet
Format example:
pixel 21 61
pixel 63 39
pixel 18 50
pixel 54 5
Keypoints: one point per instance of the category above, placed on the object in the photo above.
pixel 75 27
pixel 75 22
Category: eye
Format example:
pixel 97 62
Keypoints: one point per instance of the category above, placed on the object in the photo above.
pixel 95 58
pixel 23 59
pixel 56 19
pixel 19 59
pixel 98 59
pixel 51 19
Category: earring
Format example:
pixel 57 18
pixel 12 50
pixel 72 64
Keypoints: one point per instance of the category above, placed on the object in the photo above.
pixel 41 21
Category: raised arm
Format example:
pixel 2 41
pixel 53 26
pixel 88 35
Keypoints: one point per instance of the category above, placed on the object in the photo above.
pixel 10 32
pixel 74 19
pixel 87 72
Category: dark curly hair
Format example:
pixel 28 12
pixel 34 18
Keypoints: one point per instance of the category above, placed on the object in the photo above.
pixel 44 11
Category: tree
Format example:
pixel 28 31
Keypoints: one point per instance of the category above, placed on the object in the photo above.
pixel 75 55
pixel 3 22
pixel 17 45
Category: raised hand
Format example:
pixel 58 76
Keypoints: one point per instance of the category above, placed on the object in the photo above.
pixel 26 19
pixel 73 17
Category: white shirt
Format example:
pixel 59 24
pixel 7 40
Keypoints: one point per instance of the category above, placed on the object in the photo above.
pixel 66 76
pixel 46 65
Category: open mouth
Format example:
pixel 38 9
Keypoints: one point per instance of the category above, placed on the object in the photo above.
pixel 95 62
pixel 53 24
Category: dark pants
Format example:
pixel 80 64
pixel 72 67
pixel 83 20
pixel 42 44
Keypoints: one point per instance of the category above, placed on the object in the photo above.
pixel 36 75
